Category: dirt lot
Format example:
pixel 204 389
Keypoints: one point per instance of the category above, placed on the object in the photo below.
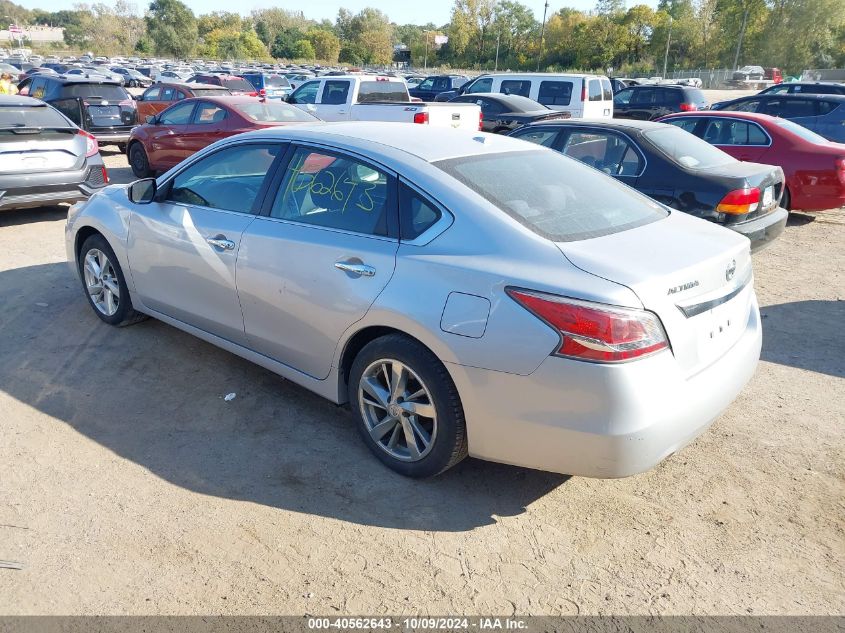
pixel 128 485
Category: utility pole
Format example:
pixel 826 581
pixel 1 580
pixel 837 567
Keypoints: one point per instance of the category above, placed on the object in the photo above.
pixel 668 41
pixel 425 34
pixel 542 35
pixel 741 35
pixel 498 35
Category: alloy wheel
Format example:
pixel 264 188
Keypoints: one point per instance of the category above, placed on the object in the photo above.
pixel 398 410
pixel 101 282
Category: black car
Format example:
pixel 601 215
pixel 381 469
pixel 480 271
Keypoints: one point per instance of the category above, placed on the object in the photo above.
pixel 437 84
pixel 806 88
pixel 823 114
pixel 502 113
pixel 675 168
pixel 99 106
pixel 44 158
pixel 646 103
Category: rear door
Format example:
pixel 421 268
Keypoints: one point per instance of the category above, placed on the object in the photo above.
pixel 830 122
pixel 802 111
pixel 314 264
pixel 209 122
pixel 334 100
pixel 744 140
pixel 610 152
pixel 595 106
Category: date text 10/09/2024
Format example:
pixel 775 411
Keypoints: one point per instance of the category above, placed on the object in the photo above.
pixel 419 624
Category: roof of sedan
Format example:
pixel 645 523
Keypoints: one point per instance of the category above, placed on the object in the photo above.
pixel 429 143
pixel 618 124
pixel 734 114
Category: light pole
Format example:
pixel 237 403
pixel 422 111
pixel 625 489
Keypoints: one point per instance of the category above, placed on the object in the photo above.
pixel 496 68
pixel 668 41
pixel 425 34
pixel 542 34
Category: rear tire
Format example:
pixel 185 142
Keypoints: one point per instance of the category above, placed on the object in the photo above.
pixel 407 408
pixel 104 283
pixel 139 162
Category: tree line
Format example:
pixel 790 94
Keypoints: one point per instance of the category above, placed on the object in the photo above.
pixel 482 34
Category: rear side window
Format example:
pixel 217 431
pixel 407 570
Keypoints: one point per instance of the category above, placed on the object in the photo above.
pixel 557 93
pixel 37 116
pixel 554 196
pixel 607 152
pixel 417 213
pixel 725 131
pixel 516 87
pixel 594 90
pixel 687 150
pixel 791 108
pixel 687 124
pixel 208 113
pixel 390 91
pixel 335 93
pixel 643 96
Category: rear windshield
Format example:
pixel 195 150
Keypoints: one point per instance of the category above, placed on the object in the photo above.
pixel 393 91
pixel 554 196
pixel 275 81
pixel 800 130
pixel 35 116
pixel 238 84
pixel 210 92
pixel 273 113
pixel 695 95
pixel 109 92
pixel 686 149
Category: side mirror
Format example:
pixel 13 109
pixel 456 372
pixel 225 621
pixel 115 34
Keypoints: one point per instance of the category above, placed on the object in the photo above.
pixel 142 191
pixel 151 119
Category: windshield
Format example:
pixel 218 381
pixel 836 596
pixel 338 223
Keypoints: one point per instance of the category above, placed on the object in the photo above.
pixel 687 150
pixel 554 196
pixel 393 91
pixel 275 81
pixel 274 113
pixel 800 130
pixel 36 116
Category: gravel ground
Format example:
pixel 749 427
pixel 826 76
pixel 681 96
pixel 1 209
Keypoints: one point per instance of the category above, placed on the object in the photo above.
pixel 129 486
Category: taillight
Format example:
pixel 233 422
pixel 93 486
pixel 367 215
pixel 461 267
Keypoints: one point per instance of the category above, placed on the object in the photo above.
pixel 480 121
pixel 583 91
pixel 688 107
pixel 421 117
pixel 594 332
pixel 91 145
pixel 740 201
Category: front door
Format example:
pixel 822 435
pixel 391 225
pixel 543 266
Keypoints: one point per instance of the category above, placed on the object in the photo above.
pixel 183 248
pixel 315 263
pixel 166 136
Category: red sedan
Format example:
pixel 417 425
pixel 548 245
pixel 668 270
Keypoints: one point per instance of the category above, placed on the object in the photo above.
pixel 814 167
pixel 190 125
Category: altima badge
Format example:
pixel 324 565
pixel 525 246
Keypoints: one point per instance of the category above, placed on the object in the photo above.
pixel 682 287
pixel 731 270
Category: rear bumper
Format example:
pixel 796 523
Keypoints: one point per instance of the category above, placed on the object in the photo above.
pixel 764 230
pixel 104 138
pixel 38 190
pixel 597 420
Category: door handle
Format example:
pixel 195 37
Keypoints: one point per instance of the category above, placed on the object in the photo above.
pixel 362 270
pixel 221 242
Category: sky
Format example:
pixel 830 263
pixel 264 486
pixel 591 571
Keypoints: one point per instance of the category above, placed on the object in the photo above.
pixel 404 12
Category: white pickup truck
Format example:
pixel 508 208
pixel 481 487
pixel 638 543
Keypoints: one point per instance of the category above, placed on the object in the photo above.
pixel 371 98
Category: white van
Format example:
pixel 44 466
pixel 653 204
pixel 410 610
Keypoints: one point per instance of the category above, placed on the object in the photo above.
pixel 583 96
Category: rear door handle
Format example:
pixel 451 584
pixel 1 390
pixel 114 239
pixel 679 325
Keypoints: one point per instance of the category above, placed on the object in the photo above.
pixel 221 242
pixel 362 270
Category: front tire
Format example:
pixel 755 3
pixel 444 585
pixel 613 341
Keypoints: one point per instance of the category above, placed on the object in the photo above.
pixel 138 161
pixel 786 200
pixel 407 408
pixel 104 283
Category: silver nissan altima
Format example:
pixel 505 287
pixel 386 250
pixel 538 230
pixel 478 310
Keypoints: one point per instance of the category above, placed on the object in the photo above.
pixel 465 293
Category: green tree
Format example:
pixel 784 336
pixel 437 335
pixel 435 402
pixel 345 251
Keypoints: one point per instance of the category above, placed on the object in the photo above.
pixel 223 20
pixel 325 43
pixel 172 27
pixel 303 50
pixel 284 44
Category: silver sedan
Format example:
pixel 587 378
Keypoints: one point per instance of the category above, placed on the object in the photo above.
pixel 465 293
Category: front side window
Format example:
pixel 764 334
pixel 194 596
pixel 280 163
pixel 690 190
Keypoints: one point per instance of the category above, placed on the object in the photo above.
pixel 428 84
pixel 229 179
pixel 306 93
pixel 516 87
pixel 176 115
pixel 168 93
pixel 152 94
pixel 566 201
pixel 594 90
pixel 604 151
pixel 333 191
pixel 623 97
pixel 335 93
pixel 751 105
pixel 555 93
pixel 481 85
pixel 644 96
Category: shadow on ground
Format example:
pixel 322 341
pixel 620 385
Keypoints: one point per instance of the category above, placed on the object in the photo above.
pixel 154 395
pixel 806 334
pixel 31 216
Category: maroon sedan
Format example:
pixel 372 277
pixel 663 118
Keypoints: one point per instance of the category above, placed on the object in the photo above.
pixel 814 167
pixel 190 125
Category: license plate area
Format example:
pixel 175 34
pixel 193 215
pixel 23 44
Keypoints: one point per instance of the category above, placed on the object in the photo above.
pixel 718 329
pixel 104 111
pixel 768 196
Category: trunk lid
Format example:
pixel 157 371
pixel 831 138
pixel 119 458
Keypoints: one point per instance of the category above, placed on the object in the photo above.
pixel 30 150
pixel 695 275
